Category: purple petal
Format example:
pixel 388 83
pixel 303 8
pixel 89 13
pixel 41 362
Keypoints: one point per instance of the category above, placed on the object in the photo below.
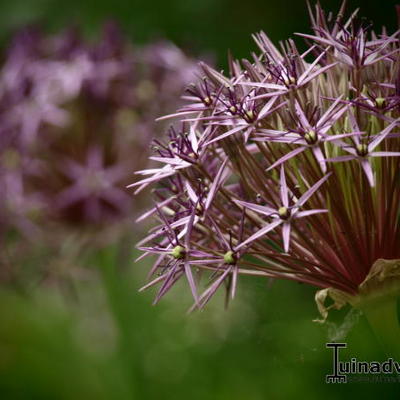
pixel 341 158
pixel 366 166
pixel 318 39
pixel 261 232
pixel 257 208
pixel 311 191
pixel 352 150
pixel 270 94
pixel 327 114
pixel 318 72
pixel 178 114
pixel 219 233
pixel 218 180
pixel 385 154
pixel 192 284
pixel 172 277
pixel 382 57
pixel 303 119
pixel 159 175
pixel 226 134
pixel 273 131
pixel 332 138
pixel 320 158
pixel 171 161
pixel 193 139
pixel 205 261
pixel 153 282
pixel 264 85
pixel 264 111
pixel 156 265
pixel 287 157
pixel 378 139
pixel 191 193
pixel 248 133
pixel 302 214
pixel 215 74
pixel 310 68
pixel 154 209
pixel 206 296
pixel 235 273
pixel 284 189
pixel 286 235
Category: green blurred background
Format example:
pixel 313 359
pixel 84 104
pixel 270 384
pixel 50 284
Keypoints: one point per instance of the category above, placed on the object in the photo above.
pixel 104 340
pixel 198 26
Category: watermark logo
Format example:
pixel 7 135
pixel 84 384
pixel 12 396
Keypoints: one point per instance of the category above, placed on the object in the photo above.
pixel 336 377
pixel 342 369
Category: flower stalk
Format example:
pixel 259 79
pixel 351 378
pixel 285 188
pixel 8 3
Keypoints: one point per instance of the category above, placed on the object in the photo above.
pixel 382 316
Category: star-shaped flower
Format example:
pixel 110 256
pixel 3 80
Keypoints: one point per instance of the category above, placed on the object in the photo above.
pixel 94 186
pixel 285 214
pixel 364 149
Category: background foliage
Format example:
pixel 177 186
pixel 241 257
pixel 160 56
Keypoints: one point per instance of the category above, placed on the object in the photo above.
pixel 100 338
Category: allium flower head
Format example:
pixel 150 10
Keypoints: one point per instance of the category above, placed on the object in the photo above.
pixel 285 167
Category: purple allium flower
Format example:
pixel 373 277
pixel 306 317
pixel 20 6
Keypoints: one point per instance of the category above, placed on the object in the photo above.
pixel 286 167
pixel 95 186
pixel 76 117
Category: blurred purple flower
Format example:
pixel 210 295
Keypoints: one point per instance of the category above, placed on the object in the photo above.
pixel 76 118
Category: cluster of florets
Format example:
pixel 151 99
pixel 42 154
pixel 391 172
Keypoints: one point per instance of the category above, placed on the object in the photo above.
pixel 75 118
pixel 287 167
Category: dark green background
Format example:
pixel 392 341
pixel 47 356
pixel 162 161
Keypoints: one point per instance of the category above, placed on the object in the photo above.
pixel 197 25
pixel 108 342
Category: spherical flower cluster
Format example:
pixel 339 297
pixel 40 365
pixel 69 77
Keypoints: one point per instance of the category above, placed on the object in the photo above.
pixel 75 118
pixel 287 167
